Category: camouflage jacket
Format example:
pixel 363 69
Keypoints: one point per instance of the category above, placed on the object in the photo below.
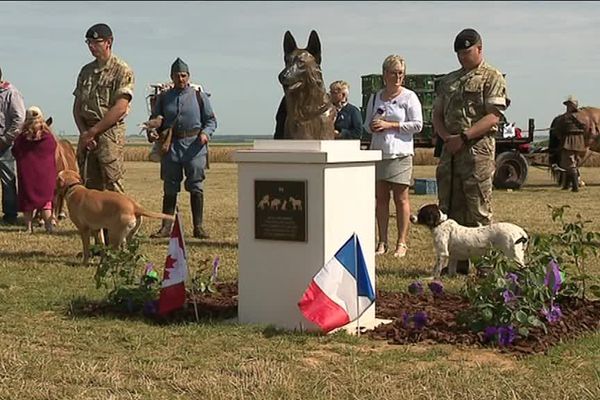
pixel 99 87
pixel 468 96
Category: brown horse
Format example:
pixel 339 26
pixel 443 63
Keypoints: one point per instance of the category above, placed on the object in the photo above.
pixel 66 159
pixel 310 113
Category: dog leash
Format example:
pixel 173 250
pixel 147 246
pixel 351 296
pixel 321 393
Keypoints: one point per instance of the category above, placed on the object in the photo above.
pixel 85 167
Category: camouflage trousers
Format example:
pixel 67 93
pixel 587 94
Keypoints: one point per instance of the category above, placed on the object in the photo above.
pixel 102 168
pixel 465 183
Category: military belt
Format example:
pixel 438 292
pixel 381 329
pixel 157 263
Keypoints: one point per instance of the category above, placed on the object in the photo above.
pixel 185 134
pixel 92 122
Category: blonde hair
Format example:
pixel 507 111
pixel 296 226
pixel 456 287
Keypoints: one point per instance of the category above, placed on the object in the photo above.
pixel 391 61
pixel 34 121
pixel 340 85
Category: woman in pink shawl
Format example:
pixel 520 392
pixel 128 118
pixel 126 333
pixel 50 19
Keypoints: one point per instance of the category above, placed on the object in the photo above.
pixel 34 150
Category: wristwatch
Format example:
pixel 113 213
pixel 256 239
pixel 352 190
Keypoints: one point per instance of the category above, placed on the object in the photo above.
pixel 464 137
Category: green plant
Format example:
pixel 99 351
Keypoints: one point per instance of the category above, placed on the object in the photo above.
pixel 119 272
pixel 577 244
pixel 511 296
pixel 203 283
pixel 508 296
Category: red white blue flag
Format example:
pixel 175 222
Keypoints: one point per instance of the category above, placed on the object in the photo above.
pixel 341 291
pixel 172 292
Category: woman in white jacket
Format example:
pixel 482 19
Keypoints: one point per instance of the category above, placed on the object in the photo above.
pixel 393 116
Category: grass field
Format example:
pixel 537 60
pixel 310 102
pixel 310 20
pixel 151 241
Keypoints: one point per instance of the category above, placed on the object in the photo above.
pixel 48 352
pixel 222 152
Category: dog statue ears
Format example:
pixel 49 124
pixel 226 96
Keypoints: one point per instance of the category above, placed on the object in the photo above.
pixel 314 45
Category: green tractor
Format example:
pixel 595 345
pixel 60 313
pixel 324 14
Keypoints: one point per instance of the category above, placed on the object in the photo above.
pixel 511 163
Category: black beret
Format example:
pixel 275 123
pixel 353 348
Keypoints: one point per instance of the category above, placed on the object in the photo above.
pixel 99 31
pixel 466 38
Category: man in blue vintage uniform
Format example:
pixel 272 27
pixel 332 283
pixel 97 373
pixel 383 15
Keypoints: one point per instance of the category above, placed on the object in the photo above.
pixel 187 112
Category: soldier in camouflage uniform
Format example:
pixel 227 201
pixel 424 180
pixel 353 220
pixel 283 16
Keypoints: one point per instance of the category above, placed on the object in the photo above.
pixel 468 107
pixel 102 96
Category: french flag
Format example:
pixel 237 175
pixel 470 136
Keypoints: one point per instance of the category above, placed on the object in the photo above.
pixel 172 292
pixel 341 291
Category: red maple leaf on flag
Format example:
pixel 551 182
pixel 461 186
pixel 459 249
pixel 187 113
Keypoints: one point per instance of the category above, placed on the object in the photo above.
pixel 169 264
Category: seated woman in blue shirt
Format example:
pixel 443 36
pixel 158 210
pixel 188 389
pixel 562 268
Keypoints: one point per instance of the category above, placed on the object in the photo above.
pixel 348 123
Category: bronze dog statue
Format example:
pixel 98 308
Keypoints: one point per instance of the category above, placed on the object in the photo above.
pixel 309 113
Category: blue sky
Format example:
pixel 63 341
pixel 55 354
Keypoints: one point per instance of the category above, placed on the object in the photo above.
pixel 548 50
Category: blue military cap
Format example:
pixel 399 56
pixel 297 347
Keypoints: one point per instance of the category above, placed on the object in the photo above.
pixel 179 66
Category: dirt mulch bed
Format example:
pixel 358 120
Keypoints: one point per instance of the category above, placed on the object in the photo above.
pixel 220 305
pixel 579 317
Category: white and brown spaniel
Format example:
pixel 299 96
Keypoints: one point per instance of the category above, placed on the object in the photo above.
pixel 454 242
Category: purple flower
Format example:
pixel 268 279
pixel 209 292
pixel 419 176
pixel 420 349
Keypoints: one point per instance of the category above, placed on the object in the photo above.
pixel 150 307
pixel 509 297
pixel 553 277
pixel 506 335
pixel 420 319
pixel 554 314
pixel 148 268
pixel 215 270
pixel 489 334
pixel 436 287
pixel 415 288
pixel 405 320
pixel 380 111
pixel 512 277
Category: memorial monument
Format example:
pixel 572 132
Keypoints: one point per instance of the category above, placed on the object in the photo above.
pixel 299 200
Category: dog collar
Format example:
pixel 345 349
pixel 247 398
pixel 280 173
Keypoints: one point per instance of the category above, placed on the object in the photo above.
pixel 72 185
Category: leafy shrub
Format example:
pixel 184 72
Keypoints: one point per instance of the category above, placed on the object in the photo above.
pixel 575 244
pixel 202 283
pixel 511 299
pixel 508 297
pixel 119 272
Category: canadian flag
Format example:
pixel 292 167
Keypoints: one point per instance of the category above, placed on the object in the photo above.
pixel 172 292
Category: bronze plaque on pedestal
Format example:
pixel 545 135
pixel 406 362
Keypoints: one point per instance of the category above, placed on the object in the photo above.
pixel 280 210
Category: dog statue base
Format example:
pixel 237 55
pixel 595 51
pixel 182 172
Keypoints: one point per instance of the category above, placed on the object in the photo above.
pixel 339 179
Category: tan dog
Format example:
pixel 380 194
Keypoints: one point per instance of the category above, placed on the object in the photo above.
pixel 92 210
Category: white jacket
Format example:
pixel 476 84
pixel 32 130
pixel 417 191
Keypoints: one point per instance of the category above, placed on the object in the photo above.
pixel 404 108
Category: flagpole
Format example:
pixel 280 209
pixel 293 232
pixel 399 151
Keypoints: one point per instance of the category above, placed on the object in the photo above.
pixel 357 280
pixel 191 283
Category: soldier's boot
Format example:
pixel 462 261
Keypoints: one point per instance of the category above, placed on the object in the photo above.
pixel 197 203
pixel 168 207
pixel 574 181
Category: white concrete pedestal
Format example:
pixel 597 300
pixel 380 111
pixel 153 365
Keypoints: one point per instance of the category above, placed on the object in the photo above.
pixel 340 200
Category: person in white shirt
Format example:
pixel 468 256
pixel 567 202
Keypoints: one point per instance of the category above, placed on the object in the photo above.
pixel 393 116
